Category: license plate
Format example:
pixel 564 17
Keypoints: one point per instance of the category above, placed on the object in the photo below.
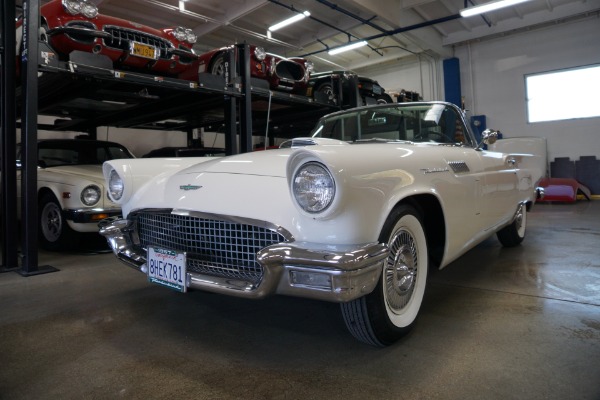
pixel 167 268
pixel 144 50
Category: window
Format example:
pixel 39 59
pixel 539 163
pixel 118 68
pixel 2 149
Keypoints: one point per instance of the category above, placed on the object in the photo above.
pixel 565 94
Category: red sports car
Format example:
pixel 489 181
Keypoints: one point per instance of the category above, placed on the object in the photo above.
pixel 70 25
pixel 289 74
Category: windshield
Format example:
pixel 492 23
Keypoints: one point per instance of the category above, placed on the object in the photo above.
pixel 53 153
pixel 425 122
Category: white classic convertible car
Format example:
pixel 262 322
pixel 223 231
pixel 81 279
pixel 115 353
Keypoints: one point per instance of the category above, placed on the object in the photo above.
pixel 71 194
pixel 355 214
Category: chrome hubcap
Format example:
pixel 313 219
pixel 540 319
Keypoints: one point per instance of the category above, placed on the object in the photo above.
pixel 401 270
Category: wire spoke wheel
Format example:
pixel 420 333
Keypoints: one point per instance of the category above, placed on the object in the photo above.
pixel 387 313
pixel 401 271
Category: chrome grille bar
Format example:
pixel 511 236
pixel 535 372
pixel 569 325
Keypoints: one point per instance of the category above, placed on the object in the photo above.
pixel 121 37
pixel 213 247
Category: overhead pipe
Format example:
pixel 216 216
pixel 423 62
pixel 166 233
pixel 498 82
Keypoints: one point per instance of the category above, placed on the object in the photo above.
pixel 327 24
pixel 487 21
pixel 393 32
pixel 352 15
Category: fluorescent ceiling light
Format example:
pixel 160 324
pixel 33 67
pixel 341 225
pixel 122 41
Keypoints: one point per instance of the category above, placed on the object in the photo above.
pixel 182 5
pixel 352 46
pixel 289 21
pixel 487 7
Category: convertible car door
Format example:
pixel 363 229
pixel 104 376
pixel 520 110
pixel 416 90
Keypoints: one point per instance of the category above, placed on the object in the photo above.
pixel 500 191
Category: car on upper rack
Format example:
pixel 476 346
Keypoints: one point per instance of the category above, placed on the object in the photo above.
pixel 336 86
pixel 283 74
pixel 71 194
pixel 356 213
pixel 75 25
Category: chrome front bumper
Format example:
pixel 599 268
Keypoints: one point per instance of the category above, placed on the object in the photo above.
pixel 290 269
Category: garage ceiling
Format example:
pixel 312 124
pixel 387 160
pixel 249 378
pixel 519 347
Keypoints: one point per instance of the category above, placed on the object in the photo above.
pixel 333 23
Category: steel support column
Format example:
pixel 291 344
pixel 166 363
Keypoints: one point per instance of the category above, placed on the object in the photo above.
pixel 8 134
pixel 29 137
pixel 243 59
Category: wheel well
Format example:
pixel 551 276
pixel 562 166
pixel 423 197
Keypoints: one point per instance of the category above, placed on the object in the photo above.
pixel 44 191
pixel 434 224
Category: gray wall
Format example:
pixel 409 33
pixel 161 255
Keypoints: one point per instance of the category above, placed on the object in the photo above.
pixel 493 82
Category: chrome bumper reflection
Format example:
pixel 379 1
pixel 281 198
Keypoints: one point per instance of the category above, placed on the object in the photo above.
pixel 293 269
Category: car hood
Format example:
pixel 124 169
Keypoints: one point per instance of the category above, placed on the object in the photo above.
pixel 264 163
pixel 90 172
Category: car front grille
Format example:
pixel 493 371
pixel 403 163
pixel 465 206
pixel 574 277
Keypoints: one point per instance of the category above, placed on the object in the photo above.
pixel 121 37
pixel 213 247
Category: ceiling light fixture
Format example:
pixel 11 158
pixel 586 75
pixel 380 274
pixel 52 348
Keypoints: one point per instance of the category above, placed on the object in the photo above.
pixel 289 21
pixel 351 46
pixel 487 7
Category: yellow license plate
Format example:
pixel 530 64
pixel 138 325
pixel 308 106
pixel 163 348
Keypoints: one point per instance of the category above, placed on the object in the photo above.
pixel 144 50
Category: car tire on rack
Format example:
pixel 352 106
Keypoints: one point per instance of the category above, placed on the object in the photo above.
pixel 389 312
pixel 384 99
pixel 326 89
pixel 217 66
pixel 513 234
pixel 54 232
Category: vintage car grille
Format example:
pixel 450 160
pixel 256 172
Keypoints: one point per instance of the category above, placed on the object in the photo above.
pixel 213 247
pixel 121 37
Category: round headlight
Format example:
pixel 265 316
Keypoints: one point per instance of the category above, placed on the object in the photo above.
pixel 73 7
pixel 309 66
pixel 179 33
pixel 115 185
pixel 190 36
pixel 313 187
pixel 90 195
pixel 89 10
pixel 259 53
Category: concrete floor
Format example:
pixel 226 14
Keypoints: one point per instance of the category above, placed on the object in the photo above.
pixel 521 323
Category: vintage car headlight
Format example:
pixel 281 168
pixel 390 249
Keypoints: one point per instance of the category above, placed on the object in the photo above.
pixel 309 66
pixel 313 187
pixel 75 7
pixel 190 36
pixel 260 53
pixel 89 10
pixel 185 35
pixel 179 33
pixel 115 185
pixel 90 195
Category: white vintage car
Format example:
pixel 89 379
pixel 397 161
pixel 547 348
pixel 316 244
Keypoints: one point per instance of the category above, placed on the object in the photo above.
pixel 71 193
pixel 355 214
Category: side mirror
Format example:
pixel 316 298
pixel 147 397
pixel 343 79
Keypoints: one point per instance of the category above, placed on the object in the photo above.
pixel 489 136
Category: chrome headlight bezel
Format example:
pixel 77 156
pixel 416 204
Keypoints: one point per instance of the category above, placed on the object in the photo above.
pixel 83 7
pixel 260 53
pixel 91 195
pixel 179 33
pixel 73 7
pixel 89 10
pixel 190 36
pixel 309 66
pixel 116 185
pixel 313 187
